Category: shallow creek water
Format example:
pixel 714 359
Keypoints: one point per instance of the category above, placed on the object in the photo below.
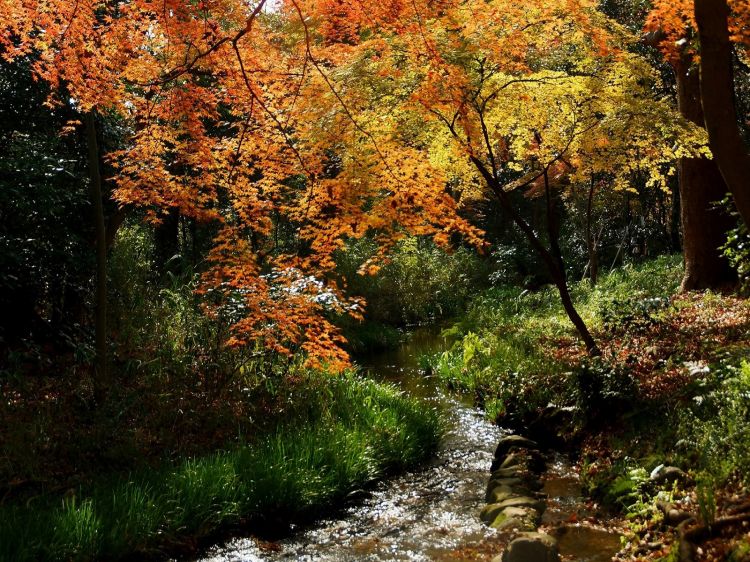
pixel 430 513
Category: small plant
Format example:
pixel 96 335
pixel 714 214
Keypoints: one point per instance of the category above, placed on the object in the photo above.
pixel 716 426
pixel 737 247
pixel 601 389
pixel 705 486
pixel 633 314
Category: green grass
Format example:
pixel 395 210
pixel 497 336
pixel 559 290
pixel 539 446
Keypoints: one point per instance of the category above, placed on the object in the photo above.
pixel 503 341
pixel 344 434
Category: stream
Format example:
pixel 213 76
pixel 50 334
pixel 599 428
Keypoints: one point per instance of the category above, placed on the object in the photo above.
pixel 432 513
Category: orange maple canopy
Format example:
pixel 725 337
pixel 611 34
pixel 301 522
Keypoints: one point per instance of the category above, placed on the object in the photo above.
pixel 224 102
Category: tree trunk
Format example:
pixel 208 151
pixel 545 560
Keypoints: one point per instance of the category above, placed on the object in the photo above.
pixel 704 224
pixel 167 242
pixel 675 219
pixel 101 379
pixel 555 264
pixel 591 242
pixel 717 94
pixel 559 275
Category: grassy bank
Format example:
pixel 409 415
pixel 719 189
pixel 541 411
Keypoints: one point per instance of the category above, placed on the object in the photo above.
pixel 514 347
pixel 343 435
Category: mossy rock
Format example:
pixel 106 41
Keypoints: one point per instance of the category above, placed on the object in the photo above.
pixel 516 518
pixel 524 501
pixel 500 494
pixel 532 547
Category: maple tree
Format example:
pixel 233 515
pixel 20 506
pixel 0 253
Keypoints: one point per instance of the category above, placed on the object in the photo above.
pixel 348 118
pixel 508 98
pixel 213 91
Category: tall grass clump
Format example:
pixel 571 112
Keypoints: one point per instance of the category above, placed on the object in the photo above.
pixel 347 433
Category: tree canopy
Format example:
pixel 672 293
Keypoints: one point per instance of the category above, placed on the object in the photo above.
pixel 343 119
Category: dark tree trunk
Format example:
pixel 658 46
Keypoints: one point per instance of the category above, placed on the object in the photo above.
pixel 591 241
pixel 717 93
pixel 675 219
pixel 552 259
pixel 559 275
pixel 167 242
pixel 704 224
pixel 101 379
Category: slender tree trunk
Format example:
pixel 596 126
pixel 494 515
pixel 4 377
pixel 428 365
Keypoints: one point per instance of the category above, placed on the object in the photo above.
pixel 717 94
pixel 167 242
pixel 555 264
pixel 559 274
pixel 704 225
pixel 101 378
pixel 591 242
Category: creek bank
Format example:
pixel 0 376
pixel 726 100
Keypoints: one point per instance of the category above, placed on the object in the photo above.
pixel 524 482
pixel 349 433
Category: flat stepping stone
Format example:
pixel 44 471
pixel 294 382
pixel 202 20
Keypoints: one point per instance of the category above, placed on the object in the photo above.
pixel 493 490
pixel 516 518
pixel 531 547
pixel 511 442
pixel 524 501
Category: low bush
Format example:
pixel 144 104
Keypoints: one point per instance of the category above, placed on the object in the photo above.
pixel 715 426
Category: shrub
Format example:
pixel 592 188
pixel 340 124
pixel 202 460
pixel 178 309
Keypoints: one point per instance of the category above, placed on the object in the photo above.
pixel 420 282
pixel 716 425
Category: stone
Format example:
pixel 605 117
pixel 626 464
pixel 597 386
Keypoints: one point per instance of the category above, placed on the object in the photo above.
pixel 532 547
pixel 511 472
pixel 516 518
pixel 510 482
pixel 511 461
pixel 510 442
pixel 489 512
pixel 523 501
pixel 499 495
pixel 496 494
pixel 669 475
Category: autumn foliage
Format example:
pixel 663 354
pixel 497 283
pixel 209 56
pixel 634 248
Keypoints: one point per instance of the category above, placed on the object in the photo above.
pixel 342 119
pixel 675 20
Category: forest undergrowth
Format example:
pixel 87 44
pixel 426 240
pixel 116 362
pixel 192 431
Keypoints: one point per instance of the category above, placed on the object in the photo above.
pixel 195 438
pixel 671 388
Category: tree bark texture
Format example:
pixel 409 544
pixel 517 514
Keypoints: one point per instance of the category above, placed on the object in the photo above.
pixel 704 224
pixel 591 240
pixel 717 94
pixel 101 380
